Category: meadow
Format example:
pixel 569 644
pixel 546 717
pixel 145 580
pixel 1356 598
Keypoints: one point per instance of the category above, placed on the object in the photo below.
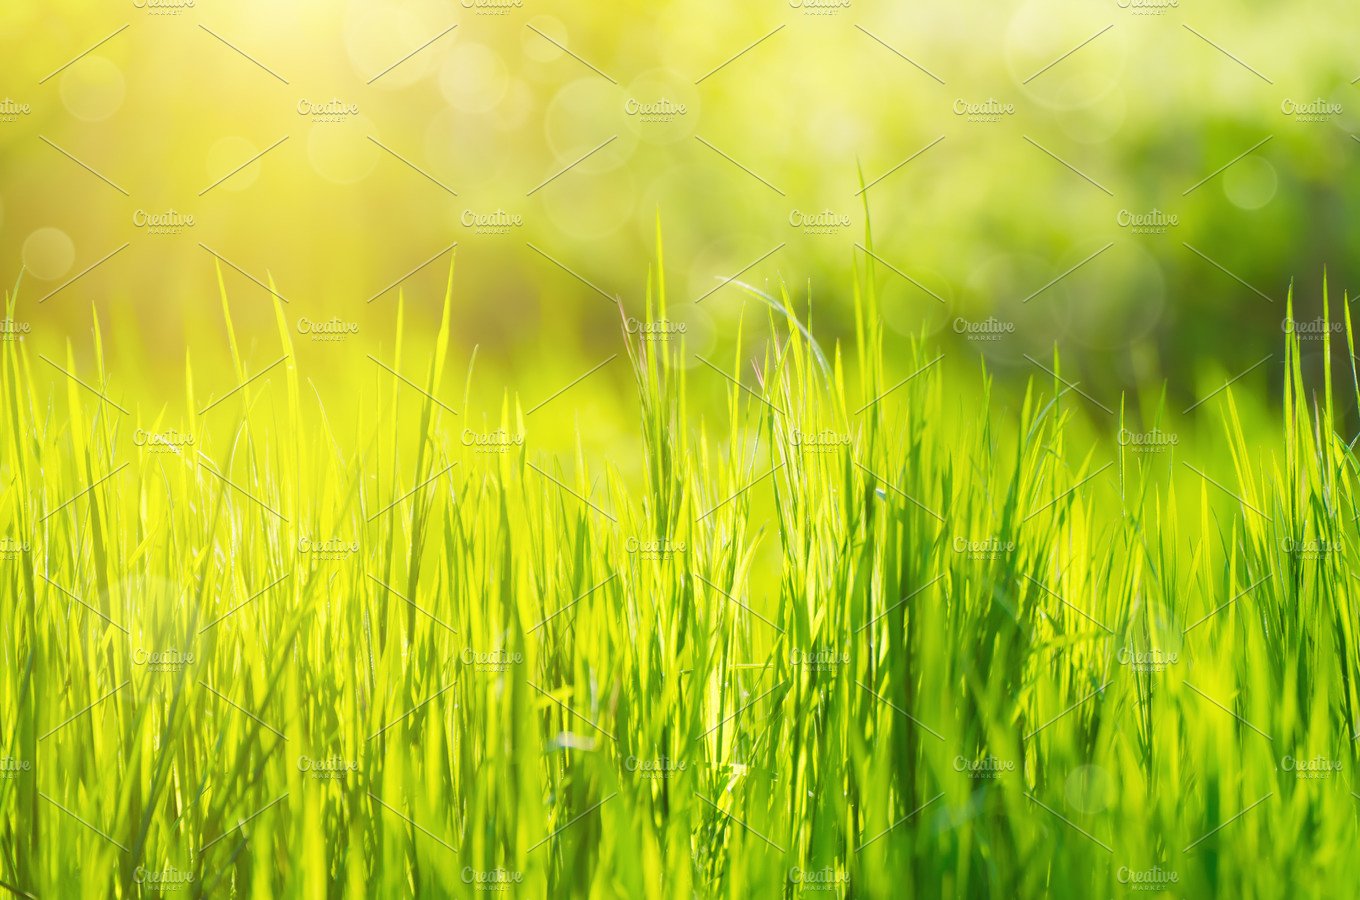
pixel 855 628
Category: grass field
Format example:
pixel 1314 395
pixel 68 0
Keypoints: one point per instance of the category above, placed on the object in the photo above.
pixel 857 629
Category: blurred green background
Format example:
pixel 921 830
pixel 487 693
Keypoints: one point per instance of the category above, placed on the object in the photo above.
pixel 1014 152
pixel 767 151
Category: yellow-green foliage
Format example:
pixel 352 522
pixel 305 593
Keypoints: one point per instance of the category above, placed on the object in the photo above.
pixel 843 636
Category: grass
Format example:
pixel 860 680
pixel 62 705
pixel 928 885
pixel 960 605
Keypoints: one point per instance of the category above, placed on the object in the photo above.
pixel 925 648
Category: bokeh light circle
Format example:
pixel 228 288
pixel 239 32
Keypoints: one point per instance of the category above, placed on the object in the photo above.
pixel 342 155
pixel 536 46
pixel 579 208
pixel 1089 789
pixel 1250 183
pixel 1084 77
pixel 377 37
pixel 93 89
pixel 224 156
pixel 49 253
pixel 473 78
pixel 572 126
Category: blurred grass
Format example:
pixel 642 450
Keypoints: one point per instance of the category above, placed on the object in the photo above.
pixel 785 605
